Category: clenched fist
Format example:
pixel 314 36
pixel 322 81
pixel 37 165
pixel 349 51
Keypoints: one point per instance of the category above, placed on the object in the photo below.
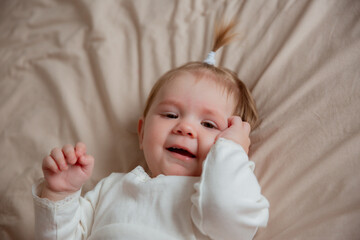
pixel 238 131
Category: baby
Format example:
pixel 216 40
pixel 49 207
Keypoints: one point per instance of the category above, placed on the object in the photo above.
pixel 194 133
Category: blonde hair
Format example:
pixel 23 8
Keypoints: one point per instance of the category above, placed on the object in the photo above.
pixel 245 104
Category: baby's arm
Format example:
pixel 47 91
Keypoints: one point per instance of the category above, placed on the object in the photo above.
pixel 60 212
pixel 228 203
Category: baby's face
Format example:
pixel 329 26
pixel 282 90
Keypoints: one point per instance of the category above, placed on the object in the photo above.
pixel 182 124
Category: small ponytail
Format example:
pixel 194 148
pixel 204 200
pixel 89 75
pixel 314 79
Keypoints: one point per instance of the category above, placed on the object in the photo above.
pixel 224 34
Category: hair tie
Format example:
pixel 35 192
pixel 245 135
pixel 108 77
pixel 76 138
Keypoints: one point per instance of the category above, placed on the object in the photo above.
pixel 210 59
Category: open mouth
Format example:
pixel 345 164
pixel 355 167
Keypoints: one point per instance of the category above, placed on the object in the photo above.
pixel 181 151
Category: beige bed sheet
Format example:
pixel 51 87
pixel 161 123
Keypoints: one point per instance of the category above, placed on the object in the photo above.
pixel 81 70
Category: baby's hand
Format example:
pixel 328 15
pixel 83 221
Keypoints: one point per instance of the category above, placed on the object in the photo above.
pixel 66 170
pixel 238 131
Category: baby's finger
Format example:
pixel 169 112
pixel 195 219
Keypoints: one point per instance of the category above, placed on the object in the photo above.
pixel 234 120
pixel 246 127
pixel 87 163
pixel 80 149
pixel 69 153
pixel 49 164
pixel 58 156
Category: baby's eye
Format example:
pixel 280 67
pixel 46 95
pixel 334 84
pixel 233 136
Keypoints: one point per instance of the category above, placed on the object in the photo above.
pixel 209 124
pixel 170 115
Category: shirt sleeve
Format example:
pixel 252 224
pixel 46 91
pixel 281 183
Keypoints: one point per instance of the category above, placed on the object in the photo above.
pixel 70 218
pixel 227 203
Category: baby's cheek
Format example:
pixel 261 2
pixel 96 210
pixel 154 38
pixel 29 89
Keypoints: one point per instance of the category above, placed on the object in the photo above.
pixel 207 144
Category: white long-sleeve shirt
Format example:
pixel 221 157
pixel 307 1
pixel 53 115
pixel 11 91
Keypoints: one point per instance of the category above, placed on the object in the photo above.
pixel 225 202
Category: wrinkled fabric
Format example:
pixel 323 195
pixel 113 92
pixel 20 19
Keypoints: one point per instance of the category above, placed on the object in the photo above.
pixel 81 70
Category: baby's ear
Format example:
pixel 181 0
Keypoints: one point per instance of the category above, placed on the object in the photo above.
pixel 141 131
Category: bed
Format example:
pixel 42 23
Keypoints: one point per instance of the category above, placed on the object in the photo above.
pixel 81 70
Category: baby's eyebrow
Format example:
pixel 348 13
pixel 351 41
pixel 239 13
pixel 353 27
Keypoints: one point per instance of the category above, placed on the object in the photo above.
pixel 170 102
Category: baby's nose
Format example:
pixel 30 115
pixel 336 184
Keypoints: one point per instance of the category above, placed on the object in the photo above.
pixel 185 129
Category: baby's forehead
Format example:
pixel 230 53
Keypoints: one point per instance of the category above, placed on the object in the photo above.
pixel 189 80
pixel 197 76
pixel 225 86
pixel 167 86
pixel 198 88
